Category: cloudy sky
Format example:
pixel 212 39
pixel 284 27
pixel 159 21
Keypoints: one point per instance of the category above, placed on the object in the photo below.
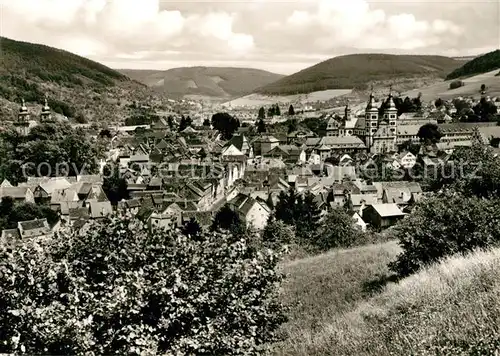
pixel 280 36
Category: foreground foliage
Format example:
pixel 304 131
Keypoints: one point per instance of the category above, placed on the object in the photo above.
pixel 121 290
pixel 443 226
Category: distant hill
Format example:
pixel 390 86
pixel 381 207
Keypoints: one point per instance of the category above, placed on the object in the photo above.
pixel 75 86
pixel 358 70
pixel 204 81
pixel 482 64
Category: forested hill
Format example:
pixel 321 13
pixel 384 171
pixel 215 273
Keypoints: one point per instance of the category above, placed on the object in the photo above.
pixel 358 70
pixel 482 64
pixel 76 86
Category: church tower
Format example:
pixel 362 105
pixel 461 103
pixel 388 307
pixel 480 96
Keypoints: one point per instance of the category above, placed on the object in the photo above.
pixel 347 118
pixel 371 121
pixel 22 124
pixel 46 116
pixel 391 113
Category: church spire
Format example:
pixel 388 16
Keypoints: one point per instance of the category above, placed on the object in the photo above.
pixel 46 115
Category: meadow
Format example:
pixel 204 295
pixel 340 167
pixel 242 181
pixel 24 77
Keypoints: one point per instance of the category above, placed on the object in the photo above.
pixel 257 100
pixel 346 302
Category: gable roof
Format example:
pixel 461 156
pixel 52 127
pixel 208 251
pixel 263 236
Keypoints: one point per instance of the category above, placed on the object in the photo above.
pixel 14 192
pixel 387 210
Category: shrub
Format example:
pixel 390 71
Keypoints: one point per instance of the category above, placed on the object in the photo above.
pixel 118 289
pixel 456 84
pixel 443 226
pixel 338 230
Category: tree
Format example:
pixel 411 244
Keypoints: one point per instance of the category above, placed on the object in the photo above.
pixel 483 88
pixel 48 150
pixel 119 289
pixel 293 125
pixel 206 122
pixel 227 219
pixel 338 230
pixel 485 110
pixel 429 134
pixel 445 225
pixel 105 133
pixel 277 110
pixel 307 219
pixel 185 123
pixel 271 111
pixel 225 124
pixel 456 84
pixel 115 187
pixel 301 212
pixel 291 110
pixel 262 113
pixel 261 126
pixel 438 103
pixel 192 228
pixel 277 233
pixel 170 122
pixel 11 214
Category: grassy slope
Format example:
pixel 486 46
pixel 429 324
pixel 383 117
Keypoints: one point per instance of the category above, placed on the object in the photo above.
pixel 357 70
pixel 323 287
pixel 452 308
pixel 74 83
pixel 472 88
pixel 485 63
pixel 208 81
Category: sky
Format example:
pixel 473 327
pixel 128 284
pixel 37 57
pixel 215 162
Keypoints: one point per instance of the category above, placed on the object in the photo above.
pixel 280 36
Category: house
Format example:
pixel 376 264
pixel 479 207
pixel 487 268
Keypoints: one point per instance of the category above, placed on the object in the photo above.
pixel 382 216
pixel 241 144
pixel 358 202
pixel 359 222
pixel 34 228
pixel 264 144
pixel 43 191
pixel 406 160
pixel 254 212
pixel 289 153
pixel 18 194
pixel 78 217
pixel 169 218
pixel 400 196
pixel 99 210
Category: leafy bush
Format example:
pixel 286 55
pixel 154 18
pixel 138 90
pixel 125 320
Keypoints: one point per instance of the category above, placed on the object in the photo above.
pixel 456 84
pixel 338 230
pixel 120 290
pixel 443 226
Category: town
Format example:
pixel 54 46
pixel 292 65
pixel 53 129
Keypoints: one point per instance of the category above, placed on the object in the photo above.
pixel 284 178
pixel 179 169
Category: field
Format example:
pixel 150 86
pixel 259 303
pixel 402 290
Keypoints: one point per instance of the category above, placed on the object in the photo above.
pixel 257 100
pixel 472 88
pixel 343 304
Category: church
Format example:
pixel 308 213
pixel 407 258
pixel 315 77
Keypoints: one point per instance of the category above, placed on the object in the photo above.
pixel 24 124
pixel 378 131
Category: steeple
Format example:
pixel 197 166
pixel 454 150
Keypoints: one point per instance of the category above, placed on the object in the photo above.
pixel 23 112
pixel 46 115
pixel 22 123
pixel 390 104
pixel 371 103
pixel 347 110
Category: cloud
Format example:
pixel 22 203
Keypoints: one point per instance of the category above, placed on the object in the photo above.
pixel 354 22
pixel 156 33
pixel 122 24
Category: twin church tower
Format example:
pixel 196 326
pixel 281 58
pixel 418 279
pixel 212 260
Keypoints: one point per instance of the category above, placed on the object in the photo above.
pixel 23 123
